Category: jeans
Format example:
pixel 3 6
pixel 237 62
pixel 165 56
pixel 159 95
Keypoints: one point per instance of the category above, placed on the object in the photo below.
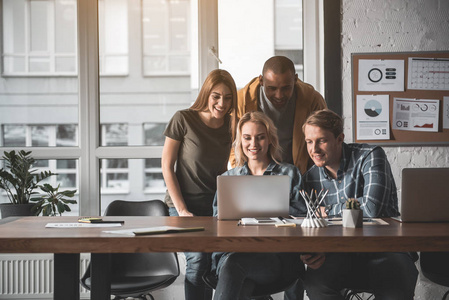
pixel 197 264
pixel 295 292
pixel 390 276
pixel 240 273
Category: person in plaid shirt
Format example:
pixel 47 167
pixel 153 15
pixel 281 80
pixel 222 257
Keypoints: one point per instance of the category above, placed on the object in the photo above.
pixel 363 172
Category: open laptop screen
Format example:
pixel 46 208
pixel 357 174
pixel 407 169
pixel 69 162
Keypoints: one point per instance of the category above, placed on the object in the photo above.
pixel 252 196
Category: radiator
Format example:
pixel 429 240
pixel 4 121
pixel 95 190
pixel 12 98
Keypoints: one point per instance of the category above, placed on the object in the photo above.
pixel 30 276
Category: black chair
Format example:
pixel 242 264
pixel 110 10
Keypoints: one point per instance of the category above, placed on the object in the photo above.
pixel 435 267
pixel 138 274
pixel 261 292
pixel 358 289
pixel 357 294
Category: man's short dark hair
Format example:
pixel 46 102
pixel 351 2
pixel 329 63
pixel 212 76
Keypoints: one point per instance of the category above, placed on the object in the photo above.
pixel 279 65
pixel 325 119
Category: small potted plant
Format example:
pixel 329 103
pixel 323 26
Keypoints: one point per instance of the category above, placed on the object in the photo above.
pixel 352 216
pixel 20 181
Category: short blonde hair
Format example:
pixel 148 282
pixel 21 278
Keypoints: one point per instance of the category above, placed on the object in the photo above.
pixel 274 149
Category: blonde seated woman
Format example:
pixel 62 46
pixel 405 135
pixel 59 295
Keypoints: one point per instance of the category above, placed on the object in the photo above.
pixel 257 152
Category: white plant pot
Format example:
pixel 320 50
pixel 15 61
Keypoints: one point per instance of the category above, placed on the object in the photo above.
pixel 352 218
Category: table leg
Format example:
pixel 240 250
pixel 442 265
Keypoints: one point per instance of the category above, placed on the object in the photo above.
pixel 66 276
pixel 100 276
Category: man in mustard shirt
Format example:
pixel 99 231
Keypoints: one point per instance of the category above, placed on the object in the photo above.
pixel 288 101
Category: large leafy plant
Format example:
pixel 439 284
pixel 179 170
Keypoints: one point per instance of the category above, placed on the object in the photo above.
pixel 54 201
pixel 18 178
pixel 21 181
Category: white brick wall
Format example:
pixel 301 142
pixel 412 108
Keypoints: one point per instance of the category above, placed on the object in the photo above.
pixel 396 26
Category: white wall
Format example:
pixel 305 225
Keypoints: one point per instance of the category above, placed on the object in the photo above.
pixel 396 26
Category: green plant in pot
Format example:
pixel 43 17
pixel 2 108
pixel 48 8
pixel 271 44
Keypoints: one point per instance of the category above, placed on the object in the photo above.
pixel 54 201
pixel 20 181
pixel 352 216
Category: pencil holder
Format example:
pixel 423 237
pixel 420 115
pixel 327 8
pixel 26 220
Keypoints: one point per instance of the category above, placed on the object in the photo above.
pixel 314 217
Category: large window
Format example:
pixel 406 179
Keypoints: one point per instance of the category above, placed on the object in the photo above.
pixel 166 37
pixel 39 37
pixel 89 86
pixel 113 43
pixel 248 36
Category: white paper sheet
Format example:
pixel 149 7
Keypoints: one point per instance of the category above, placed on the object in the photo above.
pixel 381 75
pixel 416 114
pixel 77 225
pixel 428 74
pixel 373 121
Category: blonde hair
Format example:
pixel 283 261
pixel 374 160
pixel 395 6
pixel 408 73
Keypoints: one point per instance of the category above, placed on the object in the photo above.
pixel 214 78
pixel 274 149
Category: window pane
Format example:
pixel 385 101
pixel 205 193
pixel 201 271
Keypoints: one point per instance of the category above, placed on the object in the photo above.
pixel 113 43
pixel 66 164
pixel 166 36
pixel 131 180
pixel 65 64
pixel 66 135
pixel 281 30
pixel 154 180
pixel 14 135
pixel 154 134
pixel 35 107
pixel 65 26
pixel 115 135
pixel 39 26
pixel 40 136
pixel 135 109
pixel 114 175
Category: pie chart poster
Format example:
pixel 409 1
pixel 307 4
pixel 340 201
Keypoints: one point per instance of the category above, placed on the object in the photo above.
pixel 379 75
pixel 373 122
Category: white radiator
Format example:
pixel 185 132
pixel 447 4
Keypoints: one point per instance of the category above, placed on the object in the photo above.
pixel 30 276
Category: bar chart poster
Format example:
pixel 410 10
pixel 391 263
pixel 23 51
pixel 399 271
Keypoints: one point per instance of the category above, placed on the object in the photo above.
pixel 416 114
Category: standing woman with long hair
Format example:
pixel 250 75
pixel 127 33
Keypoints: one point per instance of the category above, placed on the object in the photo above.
pixel 196 150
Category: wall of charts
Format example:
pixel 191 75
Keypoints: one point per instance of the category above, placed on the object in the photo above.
pixel 401 98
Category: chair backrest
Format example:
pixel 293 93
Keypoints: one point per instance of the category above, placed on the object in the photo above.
pixel 136 208
pixel 136 264
pixel 127 268
pixel 435 266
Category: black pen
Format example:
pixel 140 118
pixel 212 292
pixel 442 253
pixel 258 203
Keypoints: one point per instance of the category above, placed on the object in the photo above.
pixel 282 219
pixel 103 221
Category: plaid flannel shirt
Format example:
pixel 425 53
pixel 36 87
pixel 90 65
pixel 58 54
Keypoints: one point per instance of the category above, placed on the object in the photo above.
pixel 364 174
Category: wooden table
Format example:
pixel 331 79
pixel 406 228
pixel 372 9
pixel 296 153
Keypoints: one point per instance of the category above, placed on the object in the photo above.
pixel 29 235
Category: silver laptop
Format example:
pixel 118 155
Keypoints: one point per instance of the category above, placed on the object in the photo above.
pixel 425 195
pixel 252 196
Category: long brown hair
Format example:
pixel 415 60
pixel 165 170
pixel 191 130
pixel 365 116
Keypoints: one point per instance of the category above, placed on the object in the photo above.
pixel 216 77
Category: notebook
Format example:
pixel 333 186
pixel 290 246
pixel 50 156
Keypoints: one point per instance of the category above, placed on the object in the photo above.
pixel 252 196
pixel 425 195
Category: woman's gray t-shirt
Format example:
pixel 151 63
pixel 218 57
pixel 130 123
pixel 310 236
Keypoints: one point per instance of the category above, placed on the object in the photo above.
pixel 203 155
